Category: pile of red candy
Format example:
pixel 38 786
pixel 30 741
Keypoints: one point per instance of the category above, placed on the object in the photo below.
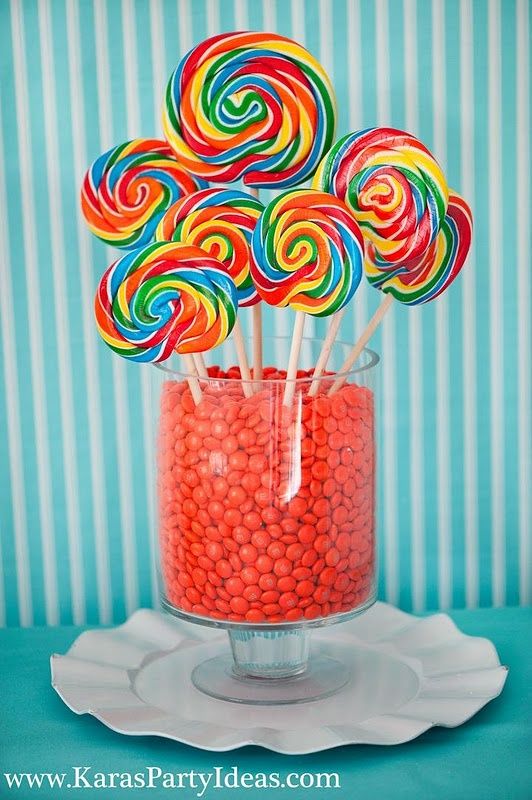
pixel 266 512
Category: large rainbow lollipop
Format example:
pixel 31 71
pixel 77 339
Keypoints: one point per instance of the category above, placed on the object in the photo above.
pixel 126 191
pixel 221 221
pixel 395 189
pixel 162 298
pixel 308 253
pixel 250 105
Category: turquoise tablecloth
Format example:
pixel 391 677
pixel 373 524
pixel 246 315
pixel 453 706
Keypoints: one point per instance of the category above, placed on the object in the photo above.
pixel 489 757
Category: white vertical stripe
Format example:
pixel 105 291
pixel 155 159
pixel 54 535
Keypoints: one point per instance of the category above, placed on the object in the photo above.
pixel 269 18
pixel 354 65
pixel 382 61
pixel 185 27
pixel 131 71
pixel 359 307
pixel 241 15
pixel 496 256
pixel 469 313
pixel 415 345
pixel 411 82
pixel 298 21
pixel 443 466
pixel 158 59
pixel 390 515
pixel 212 14
pixel 122 439
pixel 131 77
pixel 325 23
pixel 59 281
pixel 127 516
pixel 14 457
pixel 31 262
pixel 92 381
pixel 524 393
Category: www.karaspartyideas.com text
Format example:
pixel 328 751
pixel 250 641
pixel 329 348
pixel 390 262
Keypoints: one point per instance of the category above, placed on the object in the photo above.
pixel 87 777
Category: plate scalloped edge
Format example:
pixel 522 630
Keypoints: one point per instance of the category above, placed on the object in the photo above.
pixel 458 675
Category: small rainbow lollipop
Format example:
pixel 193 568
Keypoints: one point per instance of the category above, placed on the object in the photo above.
pixel 250 105
pixel 220 221
pixel 308 254
pixel 126 191
pixel 162 298
pixel 438 266
pixel 425 279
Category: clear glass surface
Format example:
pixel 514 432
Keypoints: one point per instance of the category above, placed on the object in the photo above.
pixel 266 508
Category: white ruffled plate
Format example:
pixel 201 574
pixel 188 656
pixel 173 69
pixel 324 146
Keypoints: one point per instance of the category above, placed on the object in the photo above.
pixel 408 674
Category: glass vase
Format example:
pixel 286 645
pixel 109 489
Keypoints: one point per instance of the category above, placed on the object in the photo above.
pixel 267 514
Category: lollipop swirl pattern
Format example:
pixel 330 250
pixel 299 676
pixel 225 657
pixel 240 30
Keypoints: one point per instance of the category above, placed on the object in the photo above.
pixel 250 105
pixel 439 265
pixel 165 297
pixel 220 221
pixel 126 191
pixel 308 253
pixel 395 189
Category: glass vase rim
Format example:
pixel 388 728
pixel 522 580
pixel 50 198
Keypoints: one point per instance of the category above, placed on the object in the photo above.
pixel 373 362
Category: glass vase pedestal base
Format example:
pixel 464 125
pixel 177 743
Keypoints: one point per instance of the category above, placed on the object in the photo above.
pixel 270 669
pixel 271 665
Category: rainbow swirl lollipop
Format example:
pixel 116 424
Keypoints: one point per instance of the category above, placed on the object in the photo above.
pixel 439 265
pixel 164 297
pixel 127 190
pixel 221 221
pixel 395 189
pixel 250 105
pixel 308 253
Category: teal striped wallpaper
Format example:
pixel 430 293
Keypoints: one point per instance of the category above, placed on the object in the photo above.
pixel 78 76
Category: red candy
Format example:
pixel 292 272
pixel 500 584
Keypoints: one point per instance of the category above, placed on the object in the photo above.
pixel 261 521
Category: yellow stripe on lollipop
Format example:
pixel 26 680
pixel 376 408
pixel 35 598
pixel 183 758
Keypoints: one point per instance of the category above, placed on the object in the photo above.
pixel 327 301
pixel 114 341
pixel 409 159
pixel 122 299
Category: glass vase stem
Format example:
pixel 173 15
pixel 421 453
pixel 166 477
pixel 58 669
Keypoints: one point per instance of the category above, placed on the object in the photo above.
pixel 269 654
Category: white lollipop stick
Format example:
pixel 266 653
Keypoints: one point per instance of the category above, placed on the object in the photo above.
pixel 243 362
pixel 257 343
pixel 192 378
pixel 199 361
pixel 366 335
pixel 293 359
pixel 323 358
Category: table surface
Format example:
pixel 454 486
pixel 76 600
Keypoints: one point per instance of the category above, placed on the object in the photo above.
pixel 488 757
